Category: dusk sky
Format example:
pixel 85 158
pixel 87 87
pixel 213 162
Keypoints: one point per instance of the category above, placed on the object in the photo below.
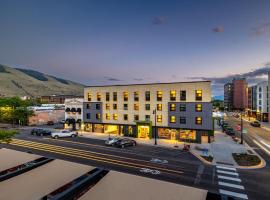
pixel 118 42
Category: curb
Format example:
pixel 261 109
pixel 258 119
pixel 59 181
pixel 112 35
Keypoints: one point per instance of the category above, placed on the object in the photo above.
pixel 200 158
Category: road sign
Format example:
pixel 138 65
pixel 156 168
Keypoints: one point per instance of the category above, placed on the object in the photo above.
pixel 238 127
pixel 245 131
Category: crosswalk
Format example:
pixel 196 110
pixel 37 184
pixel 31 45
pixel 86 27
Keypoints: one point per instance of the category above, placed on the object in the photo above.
pixel 229 182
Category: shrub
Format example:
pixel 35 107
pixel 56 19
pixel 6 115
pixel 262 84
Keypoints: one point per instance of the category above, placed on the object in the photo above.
pixel 7 135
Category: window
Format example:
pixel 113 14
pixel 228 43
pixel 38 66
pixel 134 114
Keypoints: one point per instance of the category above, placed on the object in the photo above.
pixel 125 117
pixel 136 96
pixel 159 95
pixel 97 116
pixel 147 96
pixel 260 89
pixel 125 106
pixel 172 107
pixel 107 96
pixel 198 120
pixel 115 117
pixel 88 106
pixel 172 119
pixel 136 106
pixel 97 106
pixel 114 96
pixel 88 115
pixel 183 120
pixel 147 117
pixel 159 107
pixel 198 107
pixel 173 95
pixel 183 107
pixel 136 117
pixel 147 106
pixel 125 96
pixel 159 118
pixel 108 116
pixel 115 106
pixel 183 95
pixel 198 94
pixel 107 106
pixel 89 96
pixel 98 96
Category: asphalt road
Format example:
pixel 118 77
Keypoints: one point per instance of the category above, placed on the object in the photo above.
pixel 174 165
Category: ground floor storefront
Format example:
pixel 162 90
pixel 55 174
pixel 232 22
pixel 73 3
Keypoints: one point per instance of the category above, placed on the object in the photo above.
pixel 145 130
pixel 253 115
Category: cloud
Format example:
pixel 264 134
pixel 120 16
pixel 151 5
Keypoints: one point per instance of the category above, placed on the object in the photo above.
pixel 138 79
pixel 158 20
pixel 218 29
pixel 261 29
pixel 112 79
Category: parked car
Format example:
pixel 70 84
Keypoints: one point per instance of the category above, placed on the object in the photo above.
pixel 50 123
pixel 111 141
pixel 230 131
pixel 255 124
pixel 122 143
pixel 64 133
pixel 40 132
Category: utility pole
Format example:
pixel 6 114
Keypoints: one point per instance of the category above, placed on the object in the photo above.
pixel 155 112
pixel 241 127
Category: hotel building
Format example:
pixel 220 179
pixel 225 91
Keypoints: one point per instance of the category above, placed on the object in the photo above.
pixel 175 111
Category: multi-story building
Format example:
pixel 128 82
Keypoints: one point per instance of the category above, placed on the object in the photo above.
pixel 240 94
pixel 252 101
pixel 177 111
pixel 56 99
pixel 262 101
pixel 73 112
pixel 228 96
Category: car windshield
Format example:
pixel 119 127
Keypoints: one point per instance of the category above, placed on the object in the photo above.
pixel 65 131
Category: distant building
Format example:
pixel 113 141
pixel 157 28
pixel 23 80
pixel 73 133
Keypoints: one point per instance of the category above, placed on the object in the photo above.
pixel 56 99
pixel 73 112
pixel 240 94
pixel 262 101
pixel 228 96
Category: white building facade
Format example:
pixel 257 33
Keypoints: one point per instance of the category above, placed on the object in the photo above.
pixel 262 101
pixel 73 112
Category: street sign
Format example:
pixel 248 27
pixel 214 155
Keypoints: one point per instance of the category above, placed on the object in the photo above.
pixel 238 127
pixel 245 131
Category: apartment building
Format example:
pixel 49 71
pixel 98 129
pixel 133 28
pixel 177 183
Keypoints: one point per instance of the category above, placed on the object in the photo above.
pixel 228 96
pixel 252 101
pixel 262 101
pixel 175 111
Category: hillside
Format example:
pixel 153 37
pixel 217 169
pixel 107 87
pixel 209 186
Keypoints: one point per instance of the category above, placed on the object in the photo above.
pixel 24 82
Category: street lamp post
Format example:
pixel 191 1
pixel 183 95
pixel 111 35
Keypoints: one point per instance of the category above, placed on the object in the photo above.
pixel 155 113
pixel 241 127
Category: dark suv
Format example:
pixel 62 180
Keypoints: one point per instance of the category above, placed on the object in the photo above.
pixel 40 132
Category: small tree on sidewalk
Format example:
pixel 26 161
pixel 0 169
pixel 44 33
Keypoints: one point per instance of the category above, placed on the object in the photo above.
pixel 7 135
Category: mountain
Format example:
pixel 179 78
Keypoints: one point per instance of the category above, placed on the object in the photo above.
pixel 26 82
pixel 219 97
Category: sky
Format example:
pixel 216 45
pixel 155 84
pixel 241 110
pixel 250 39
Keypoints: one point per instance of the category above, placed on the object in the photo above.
pixel 119 42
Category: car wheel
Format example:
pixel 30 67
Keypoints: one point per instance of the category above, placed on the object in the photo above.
pixel 134 144
pixel 56 137
pixel 73 135
pixel 41 134
pixel 122 146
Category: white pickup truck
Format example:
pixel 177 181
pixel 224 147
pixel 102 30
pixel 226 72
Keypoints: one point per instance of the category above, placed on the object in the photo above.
pixel 64 133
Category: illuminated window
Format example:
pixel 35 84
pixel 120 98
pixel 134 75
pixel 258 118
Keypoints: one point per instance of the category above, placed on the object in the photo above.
pixel 136 106
pixel 114 96
pixel 136 96
pixel 115 106
pixel 173 95
pixel 198 107
pixel 107 96
pixel 198 94
pixel 172 119
pixel 183 120
pixel 198 120
pixel 108 116
pixel 147 106
pixel 125 96
pixel 183 95
pixel 159 118
pixel 115 116
pixel 147 96
pixel 159 107
pixel 97 116
pixel 172 107
pixel 107 106
pixel 159 95
pixel 89 96
pixel 125 106
pixel 183 107
pixel 98 96
pixel 125 117
pixel 136 117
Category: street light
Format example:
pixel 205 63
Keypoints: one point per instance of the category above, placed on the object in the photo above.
pixel 155 113
pixel 241 127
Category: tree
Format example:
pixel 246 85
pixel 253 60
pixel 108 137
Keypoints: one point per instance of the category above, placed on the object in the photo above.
pixel 7 135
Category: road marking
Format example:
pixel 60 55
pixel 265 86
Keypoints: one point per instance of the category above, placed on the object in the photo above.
pixel 234 194
pixel 156 160
pixel 231 185
pixel 76 152
pixel 223 167
pixel 146 170
pixel 262 147
pixel 265 143
pixel 226 172
pixel 229 178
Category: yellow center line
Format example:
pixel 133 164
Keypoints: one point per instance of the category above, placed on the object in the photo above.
pixel 72 151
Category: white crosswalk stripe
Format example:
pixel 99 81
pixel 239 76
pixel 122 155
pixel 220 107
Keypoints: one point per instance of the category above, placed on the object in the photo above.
pixel 228 179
